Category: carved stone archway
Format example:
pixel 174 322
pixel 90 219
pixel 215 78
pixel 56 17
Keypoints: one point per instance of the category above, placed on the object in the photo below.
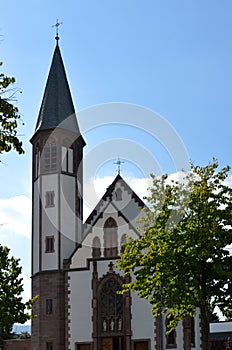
pixel 111 312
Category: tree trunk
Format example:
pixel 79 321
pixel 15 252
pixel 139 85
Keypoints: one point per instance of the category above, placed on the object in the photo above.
pixel 204 328
pixel 187 332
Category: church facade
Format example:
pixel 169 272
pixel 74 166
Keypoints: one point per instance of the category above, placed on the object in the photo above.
pixel 73 263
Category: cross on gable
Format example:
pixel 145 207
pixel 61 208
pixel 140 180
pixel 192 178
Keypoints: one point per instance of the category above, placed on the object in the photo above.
pixel 118 163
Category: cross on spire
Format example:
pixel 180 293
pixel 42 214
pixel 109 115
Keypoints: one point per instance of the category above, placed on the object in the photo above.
pixel 57 29
pixel 118 163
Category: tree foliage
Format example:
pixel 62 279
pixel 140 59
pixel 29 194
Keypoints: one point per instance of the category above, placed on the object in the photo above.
pixel 12 308
pixel 182 261
pixel 9 116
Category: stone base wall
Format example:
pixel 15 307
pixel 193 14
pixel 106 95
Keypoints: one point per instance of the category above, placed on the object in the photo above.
pixel 49 325
pixel 17 344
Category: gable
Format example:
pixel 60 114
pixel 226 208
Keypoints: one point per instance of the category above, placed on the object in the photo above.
pixel 119 204
pixel 124 201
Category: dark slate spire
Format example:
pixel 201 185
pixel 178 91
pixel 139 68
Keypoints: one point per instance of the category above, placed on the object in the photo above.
pixel 57 109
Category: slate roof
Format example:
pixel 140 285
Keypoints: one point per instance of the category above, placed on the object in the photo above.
pixel 57 109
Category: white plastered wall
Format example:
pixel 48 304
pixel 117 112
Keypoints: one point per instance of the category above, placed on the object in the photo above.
pixel 68 217
pixel 35 244
pixel 128 206
pixel 180 335
pixel 50 223
pixel 80 310
pixel 142 322
pixel 79 260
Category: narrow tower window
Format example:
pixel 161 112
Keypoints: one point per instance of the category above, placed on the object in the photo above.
pixel 67 159
pixel 49 196
pixel 49 306
pixel 37 162
pixel 49 244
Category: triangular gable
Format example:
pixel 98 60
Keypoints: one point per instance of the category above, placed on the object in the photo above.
pixel 98 215
pixel 126 212
pixel 109 193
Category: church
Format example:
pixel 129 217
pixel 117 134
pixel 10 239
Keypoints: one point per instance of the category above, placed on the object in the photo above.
pixel 73 262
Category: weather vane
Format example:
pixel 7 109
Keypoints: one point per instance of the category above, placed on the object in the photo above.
pixel 57 29
pixel 118 163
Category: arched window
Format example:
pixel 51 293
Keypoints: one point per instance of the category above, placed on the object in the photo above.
pixel 123 242
pixel 50 155
pixel 96 248
pixel 118 194
pixel 111 307
pixel 110 238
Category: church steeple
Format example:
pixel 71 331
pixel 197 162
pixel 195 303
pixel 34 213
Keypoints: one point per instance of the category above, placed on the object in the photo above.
pixel 57 187
pixel 57 109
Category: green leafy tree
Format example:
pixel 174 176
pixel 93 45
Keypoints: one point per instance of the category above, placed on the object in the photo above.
pixel 213 317
pixel 182 261
pixel 12 308
pixel 9 116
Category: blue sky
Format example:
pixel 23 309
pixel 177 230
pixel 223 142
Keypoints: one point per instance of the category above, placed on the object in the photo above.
pixel 172 57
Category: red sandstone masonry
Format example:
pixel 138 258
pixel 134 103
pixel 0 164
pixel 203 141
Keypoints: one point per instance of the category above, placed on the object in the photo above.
pixel 17 344
pixel 49 328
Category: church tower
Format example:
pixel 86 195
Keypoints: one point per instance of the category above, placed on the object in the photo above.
pixel 57 179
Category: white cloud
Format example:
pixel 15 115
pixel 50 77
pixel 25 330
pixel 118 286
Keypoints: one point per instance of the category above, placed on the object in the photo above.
pixel 15 215
pixel 228 181
pixel 26 294
pixel 15 212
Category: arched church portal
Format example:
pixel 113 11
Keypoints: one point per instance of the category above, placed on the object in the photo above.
pixel 112 314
